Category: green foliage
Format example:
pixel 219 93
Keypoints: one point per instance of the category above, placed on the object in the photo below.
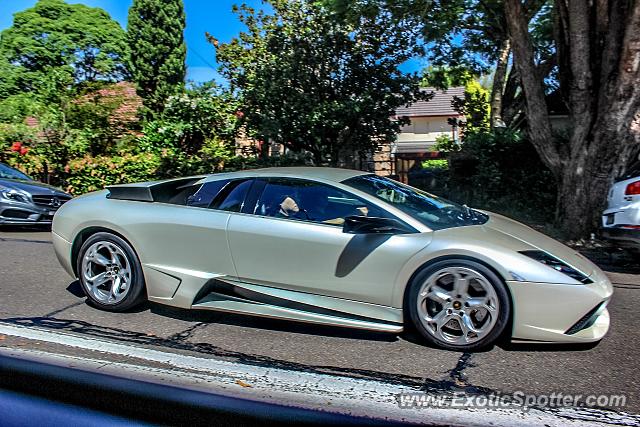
pixel 501 171
pixel 16 108
pixel 83 43
pixel 444 77
pixel 94 173
pixel 155 33
pixel 195 132
pixel 435 164
pixel 202 113
pixel 315 83
pixel 91 118
pixel 475 108
pixel 445 144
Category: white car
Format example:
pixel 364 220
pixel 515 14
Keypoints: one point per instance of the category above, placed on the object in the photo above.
pixel 621 219
pixel 330 246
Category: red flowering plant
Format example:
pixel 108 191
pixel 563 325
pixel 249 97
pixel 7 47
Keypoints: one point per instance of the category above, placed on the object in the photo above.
pixel 16 142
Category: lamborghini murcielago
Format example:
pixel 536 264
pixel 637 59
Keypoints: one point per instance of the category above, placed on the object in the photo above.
pixel 330 246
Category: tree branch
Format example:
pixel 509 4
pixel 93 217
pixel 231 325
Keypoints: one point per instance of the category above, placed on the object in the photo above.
pixel 532 85
pixel 498 83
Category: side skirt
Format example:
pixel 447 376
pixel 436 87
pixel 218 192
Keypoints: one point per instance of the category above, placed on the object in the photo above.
pixel 224 294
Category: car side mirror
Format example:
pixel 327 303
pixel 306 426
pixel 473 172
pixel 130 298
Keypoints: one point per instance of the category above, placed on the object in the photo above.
pixel 374 225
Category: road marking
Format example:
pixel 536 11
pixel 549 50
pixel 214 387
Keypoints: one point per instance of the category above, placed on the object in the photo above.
pixel 312 390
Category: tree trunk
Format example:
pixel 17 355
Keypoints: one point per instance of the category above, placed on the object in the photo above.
pixel 604 102
pixel 264 149
pixel 598 48
pixel 580 199
pixel 499 78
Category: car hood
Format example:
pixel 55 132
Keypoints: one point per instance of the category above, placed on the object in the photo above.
pixel 532 239
pixel 32 187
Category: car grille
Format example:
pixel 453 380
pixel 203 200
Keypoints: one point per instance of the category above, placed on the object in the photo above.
pixel 50 201
pixel 15 214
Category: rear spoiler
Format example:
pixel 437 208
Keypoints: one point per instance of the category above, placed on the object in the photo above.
pixel 152 191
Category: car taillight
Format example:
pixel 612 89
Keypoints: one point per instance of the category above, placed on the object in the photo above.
pixel 630 226
pixel 633 188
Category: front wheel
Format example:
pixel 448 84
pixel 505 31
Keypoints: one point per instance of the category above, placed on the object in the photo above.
pixel 459 305
pixel 110 273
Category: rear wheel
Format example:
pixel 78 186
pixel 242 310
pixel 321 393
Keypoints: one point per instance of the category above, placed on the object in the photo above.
pixel 110 273
pixel 459 305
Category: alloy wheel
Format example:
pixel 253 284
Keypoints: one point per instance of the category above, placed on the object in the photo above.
pixel 458 305
pixel 106 272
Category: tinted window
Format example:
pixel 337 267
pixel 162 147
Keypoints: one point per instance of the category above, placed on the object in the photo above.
pixel 311 201
pixel 233 195
pixel 433 211
pixel 206 193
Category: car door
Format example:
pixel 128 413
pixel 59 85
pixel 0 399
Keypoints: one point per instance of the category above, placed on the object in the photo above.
pixel 292 238
pixel 184 243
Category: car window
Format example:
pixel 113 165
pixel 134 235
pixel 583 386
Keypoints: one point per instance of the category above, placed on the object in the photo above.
pixel 433 211
pixel 312 201
pixel 7 172
pixel 208 191
pixel 231 198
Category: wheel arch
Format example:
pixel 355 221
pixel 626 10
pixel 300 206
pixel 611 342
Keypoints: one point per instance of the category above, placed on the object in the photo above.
pixel 508 330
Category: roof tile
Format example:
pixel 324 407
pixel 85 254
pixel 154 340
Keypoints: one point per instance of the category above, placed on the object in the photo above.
pixel 439 105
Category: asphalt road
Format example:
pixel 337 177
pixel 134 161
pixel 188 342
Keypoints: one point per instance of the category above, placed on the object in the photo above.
pixel 35 291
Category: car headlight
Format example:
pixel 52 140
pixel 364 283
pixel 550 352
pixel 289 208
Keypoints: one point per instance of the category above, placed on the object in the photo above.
pixel 14 195
pixel 557 265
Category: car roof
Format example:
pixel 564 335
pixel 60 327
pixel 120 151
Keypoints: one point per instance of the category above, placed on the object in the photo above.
pixel 310 172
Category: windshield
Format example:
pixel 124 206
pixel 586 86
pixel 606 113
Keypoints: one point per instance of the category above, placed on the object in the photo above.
pixel 433 211
pixel 9 173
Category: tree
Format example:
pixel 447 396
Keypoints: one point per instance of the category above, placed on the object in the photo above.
pixel 475 107
pixel 313 83
pixel 462 38
pixel 598 52
pixel 82 42
pixel 155 33
pixel 202 114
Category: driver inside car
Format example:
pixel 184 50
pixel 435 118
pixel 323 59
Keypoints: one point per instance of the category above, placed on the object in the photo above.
pixel 288 208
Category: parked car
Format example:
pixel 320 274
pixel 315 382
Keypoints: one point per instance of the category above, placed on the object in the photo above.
pixel 621 219
pixel 24 201
pixel 331 246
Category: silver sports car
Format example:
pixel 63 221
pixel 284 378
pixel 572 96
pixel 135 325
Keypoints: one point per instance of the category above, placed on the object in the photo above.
pixel 330 246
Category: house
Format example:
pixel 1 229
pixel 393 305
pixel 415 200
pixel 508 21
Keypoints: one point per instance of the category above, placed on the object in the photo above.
pixel 415 142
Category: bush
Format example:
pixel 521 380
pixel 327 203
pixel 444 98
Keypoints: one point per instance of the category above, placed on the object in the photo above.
pixel 435 164
pixel 498 171
pixel 502 171
pixel 94 173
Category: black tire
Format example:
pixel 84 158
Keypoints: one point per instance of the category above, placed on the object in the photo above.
pixel 136 292
pixel 503 311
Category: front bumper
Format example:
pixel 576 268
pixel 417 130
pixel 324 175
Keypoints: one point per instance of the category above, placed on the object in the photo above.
pixel 558 313
pixel 62 248
pixel 17 213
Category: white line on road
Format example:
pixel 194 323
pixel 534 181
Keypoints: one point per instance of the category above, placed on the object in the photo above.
pixel 356 396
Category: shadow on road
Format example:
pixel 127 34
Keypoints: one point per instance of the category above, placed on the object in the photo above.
pixel 612 259
pixel 36 228
pixel 255 322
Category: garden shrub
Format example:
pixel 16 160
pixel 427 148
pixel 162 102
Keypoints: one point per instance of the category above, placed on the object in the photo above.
pixel 89 173
pixel 502 171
